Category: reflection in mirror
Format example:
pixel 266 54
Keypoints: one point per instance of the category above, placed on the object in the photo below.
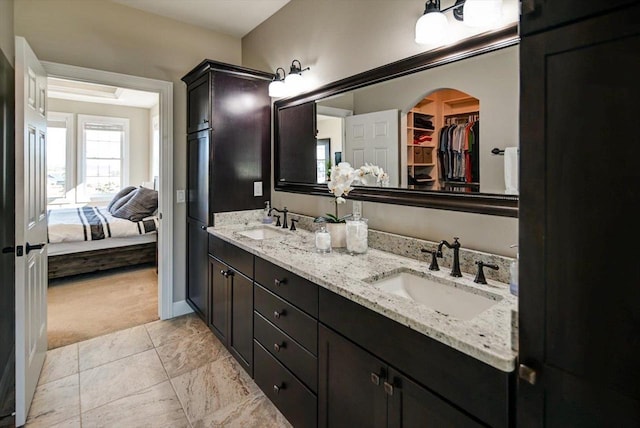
pixel 419 120
pixel 422 129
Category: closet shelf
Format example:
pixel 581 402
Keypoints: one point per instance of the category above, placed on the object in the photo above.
pixel 420 129
pixel 458 101
pixel 427 146
pixel 421 164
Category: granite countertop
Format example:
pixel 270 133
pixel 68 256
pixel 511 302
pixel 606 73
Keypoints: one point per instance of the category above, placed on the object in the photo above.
pixel 486 337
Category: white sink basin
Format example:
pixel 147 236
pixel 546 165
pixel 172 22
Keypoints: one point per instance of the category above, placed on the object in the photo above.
pixel 262 232
pixel 456 301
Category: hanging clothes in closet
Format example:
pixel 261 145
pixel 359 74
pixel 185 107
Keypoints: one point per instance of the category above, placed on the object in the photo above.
pixel 459 150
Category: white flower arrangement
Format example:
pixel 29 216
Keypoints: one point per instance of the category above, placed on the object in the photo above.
pixel 340 180
pixel 382 178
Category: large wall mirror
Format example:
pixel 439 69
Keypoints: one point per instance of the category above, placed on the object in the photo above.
pixel 443 125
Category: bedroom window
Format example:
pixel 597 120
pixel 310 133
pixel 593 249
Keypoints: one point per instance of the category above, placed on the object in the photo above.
pixel 59 158
pixel 103 166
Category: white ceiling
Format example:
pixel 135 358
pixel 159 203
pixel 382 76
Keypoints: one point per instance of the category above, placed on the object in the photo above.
pixel 233 17
pixel 101 94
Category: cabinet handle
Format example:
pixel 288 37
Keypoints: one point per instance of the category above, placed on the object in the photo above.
pixel 375 379
pixel 278 347
pixel 528 6
pixel 226 273
pixel 277 388
pixel 203 227
pixel 205 120
pixel 277 314
pixel 388 388
pixel 279 282
pixel 527 374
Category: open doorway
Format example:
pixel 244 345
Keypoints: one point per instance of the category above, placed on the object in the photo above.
pixel 109 166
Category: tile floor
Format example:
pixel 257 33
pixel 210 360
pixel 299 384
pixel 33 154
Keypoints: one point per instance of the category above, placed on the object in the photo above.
pixel 172 373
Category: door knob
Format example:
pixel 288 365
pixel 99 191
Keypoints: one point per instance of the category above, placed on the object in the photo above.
pixel 39 246
pixel 527 374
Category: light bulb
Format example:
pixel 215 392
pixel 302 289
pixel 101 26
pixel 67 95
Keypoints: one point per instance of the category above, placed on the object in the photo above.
pixel 294 83
pixel 277 89
pixel 431 28
pixel 482 13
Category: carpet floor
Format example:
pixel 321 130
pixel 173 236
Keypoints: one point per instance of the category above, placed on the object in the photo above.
pixel 91 305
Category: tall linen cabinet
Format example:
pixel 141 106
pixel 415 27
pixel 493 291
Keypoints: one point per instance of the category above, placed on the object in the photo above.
pixel 228 152
pixel 579 291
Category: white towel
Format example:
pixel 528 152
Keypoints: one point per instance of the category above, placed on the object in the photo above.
pixel 511 173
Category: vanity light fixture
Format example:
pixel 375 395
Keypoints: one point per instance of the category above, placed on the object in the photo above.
pixel 277 87
pixel 431 27
pixel 292 84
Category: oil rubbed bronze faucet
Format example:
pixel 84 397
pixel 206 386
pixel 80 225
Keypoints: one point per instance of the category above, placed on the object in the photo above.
pixel 284 212
pixel 455 246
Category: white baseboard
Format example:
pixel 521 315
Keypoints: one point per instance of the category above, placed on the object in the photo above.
pixel 181 308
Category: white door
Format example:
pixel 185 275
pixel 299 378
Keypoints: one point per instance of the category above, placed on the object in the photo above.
pixel 31 225
pixel 373 138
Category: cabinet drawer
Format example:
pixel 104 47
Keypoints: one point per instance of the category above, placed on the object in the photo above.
pixel 296 402
pixel 298 360
pixel 289 286
pixel 235 257
pixel 287 318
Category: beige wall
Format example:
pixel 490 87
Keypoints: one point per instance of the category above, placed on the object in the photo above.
pixel 139 137
pixel 337 39
pixel 6 29
pixel 104 35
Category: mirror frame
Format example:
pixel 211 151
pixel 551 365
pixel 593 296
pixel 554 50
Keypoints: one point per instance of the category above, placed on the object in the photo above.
pixel 479 203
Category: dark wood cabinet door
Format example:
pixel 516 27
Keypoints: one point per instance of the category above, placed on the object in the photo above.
pixel 351 384
pixel 241 332
pixel 579 286
pixel 197 272
pixel 296 128
pixel 197 192
pixel 241 142
pixel 198 106
pixel 539 15
pixel 413 406
pixel 219 303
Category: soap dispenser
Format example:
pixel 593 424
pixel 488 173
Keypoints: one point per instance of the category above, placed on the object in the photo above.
pixel 266 218
pixel 513 273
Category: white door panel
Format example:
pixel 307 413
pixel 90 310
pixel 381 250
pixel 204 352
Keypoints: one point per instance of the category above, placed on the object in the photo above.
pixel 31 225
pixel 373 138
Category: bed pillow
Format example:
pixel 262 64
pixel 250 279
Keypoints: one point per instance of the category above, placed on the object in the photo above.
pixel 121 194
pixel 142 203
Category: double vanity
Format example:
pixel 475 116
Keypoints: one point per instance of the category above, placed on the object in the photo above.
pixel 375 339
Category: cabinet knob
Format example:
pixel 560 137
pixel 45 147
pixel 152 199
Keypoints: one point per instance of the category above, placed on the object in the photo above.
pixel 527 374
pixel 278 282
pixel 205 120
pixel 277 347
pixel 203 227
pixel 375 379
pixel 223 273
pixel 277 314
pixel 277 388
pixel 388 388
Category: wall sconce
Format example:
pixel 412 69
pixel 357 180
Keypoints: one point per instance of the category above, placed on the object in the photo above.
pixel 431 27
pixel 292 84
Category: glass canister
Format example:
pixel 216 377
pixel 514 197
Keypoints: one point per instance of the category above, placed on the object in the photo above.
pixel 323 240
pixel 357 235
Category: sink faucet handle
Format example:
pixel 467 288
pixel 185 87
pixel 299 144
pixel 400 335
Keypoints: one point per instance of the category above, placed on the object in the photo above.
pixel 277 220
pixel 480 279
pixel 293 223
pixel 434 260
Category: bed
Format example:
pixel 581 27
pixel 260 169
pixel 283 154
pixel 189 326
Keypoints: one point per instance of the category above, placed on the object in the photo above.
pixel 90 239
